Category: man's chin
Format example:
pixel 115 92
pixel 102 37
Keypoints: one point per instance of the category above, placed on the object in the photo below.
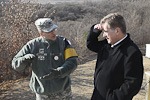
pixel 108 42
pixel 54 39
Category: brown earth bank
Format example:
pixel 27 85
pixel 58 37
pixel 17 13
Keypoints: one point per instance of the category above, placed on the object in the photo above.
pixel 82 84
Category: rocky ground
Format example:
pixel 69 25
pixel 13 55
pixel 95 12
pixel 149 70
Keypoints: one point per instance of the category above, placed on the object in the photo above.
pixel 82 84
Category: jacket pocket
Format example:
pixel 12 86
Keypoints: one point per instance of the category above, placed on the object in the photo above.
pixel 56 59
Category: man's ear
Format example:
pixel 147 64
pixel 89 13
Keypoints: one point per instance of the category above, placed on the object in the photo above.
pixel 117 30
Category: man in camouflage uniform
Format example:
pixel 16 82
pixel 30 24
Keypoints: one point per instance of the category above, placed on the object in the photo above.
pixel 53 60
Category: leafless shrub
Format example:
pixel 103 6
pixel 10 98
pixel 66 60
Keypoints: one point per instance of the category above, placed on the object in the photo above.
pixel 16 28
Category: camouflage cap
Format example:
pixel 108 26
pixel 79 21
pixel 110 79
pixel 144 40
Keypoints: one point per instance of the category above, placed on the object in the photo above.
pixel 45 24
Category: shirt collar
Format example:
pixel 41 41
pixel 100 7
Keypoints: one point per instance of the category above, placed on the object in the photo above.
pixel 119 41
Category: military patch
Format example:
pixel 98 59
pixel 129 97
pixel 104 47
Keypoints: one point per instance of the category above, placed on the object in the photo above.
pixel 41 55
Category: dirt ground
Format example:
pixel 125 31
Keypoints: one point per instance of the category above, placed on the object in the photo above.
pixel 82 84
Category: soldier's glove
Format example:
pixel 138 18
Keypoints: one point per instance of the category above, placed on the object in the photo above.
pixel 29 57
pixel 53 73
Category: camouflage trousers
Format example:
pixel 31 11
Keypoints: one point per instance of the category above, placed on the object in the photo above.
pixel 65 95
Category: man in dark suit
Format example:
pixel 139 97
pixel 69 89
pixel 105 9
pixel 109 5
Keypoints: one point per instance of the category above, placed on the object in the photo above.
pixel 119 67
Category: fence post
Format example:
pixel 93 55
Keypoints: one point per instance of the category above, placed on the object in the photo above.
pixel 148 85
pixel 147 50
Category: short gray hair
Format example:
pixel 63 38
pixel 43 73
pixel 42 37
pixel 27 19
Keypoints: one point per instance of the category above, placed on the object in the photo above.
pixel 115 20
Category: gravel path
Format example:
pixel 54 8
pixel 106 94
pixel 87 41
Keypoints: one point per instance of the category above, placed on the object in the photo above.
pixel 82 85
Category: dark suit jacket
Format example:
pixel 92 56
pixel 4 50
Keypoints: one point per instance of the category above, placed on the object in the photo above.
pixel 119 70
